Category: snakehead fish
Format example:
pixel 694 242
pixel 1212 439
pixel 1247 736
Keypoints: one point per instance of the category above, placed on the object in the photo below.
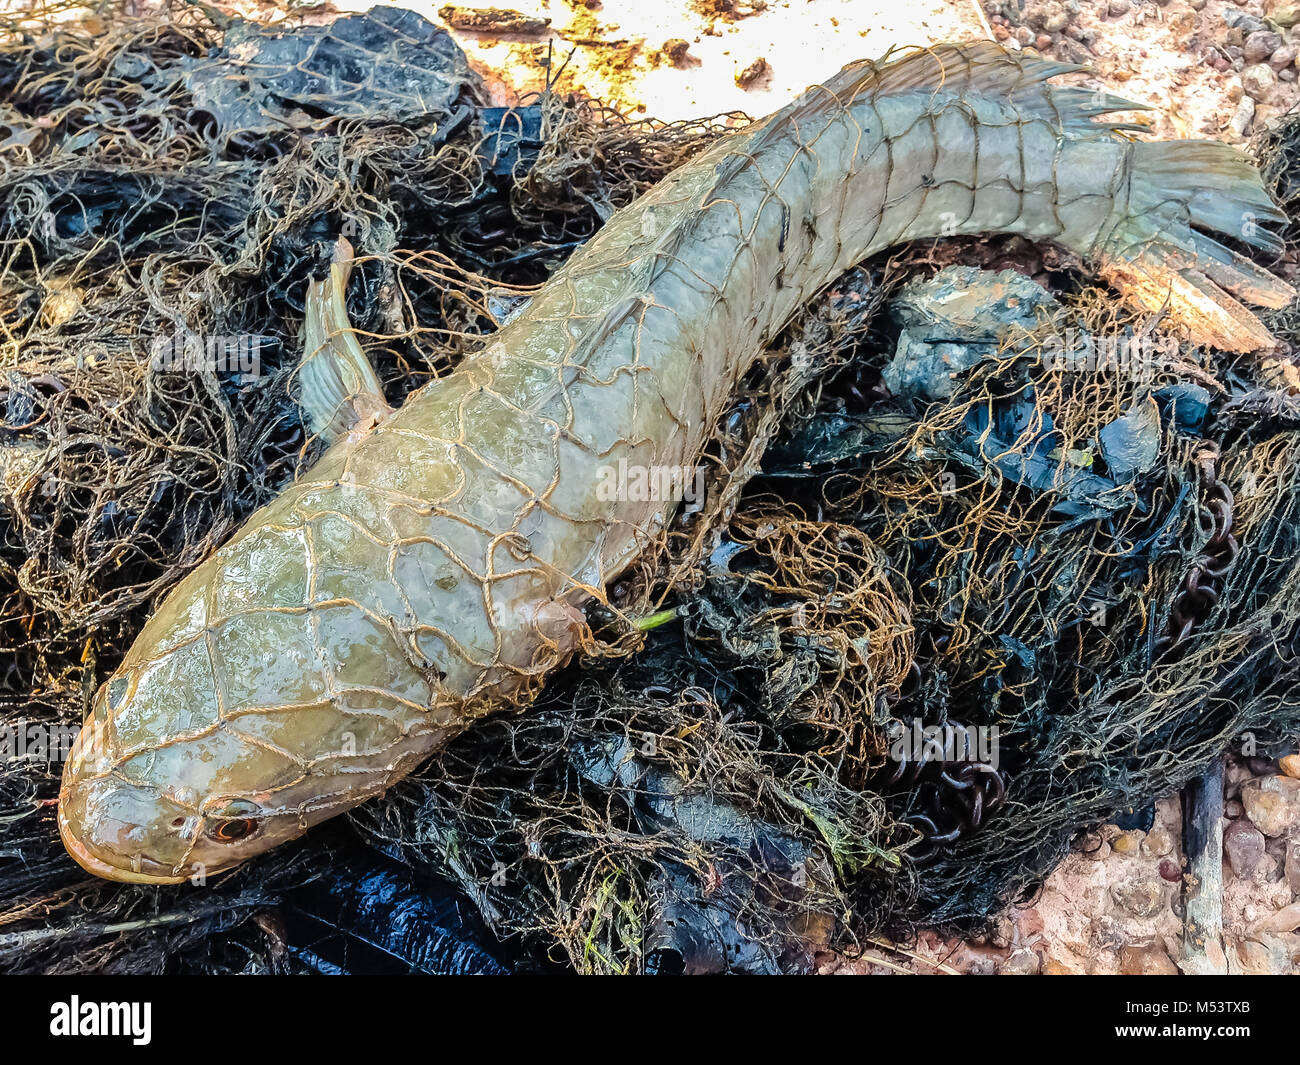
pixel 432 565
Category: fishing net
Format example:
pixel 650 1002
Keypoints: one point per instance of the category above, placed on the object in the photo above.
pixel 1096 559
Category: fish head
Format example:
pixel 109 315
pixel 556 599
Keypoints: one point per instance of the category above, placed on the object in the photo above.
pixel 168 782
pixel 172 809
pixel 239 719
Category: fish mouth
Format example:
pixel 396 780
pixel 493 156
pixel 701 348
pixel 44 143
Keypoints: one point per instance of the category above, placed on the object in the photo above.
pixel 150 871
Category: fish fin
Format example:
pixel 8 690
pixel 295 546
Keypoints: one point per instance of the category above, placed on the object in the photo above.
pixel 1156 248
pixel 1158 252
pixel 983 67
pixel 337 387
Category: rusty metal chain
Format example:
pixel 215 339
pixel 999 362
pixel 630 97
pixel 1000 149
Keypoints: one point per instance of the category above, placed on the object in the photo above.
pixel 1201 587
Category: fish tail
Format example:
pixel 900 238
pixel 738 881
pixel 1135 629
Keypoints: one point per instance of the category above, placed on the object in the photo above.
pixel 1160 254
pixel 1141 213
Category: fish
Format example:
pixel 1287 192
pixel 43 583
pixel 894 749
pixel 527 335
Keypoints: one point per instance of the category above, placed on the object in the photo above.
pixel 433 565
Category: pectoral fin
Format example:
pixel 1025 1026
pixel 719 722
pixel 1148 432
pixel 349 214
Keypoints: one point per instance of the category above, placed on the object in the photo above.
pixel 337 387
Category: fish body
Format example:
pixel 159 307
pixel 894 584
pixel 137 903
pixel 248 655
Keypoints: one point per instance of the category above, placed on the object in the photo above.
pixel 431 567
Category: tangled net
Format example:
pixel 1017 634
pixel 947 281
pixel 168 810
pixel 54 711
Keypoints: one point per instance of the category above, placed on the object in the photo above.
pixel 723 798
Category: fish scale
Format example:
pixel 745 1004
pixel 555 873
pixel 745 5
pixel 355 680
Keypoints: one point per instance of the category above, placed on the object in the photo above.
pixel 432 566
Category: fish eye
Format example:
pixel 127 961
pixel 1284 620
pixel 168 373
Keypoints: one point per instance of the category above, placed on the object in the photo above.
pixel 233 823
pixel 233 830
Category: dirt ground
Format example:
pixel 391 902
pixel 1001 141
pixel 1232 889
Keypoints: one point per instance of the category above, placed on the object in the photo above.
pixel 680 59
pixel 1115 907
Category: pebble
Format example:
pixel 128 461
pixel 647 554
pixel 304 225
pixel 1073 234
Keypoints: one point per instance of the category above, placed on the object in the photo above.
pixel 1243 844
pixel 1146 961
pixel 1159 842
pixel 750 74
pixel 1141 898
pixel 1024 35
pixel 1023 962
pixel 676 49
pixel 1042 42
pixel 1272 804
pixel 1237 126
pixel 1286 17
pixel 1126 843
pixel 1118 7
pixel 1260 45
pixel 1197 5
pixel 1073 52
pixel 1258 80
pixel 1169 870
pixel 1283 57
pixel 1095 849
pixel 1265 956
pixel 1056 22
pixel 1244 21
pixel 1233 808
pixel 1290 765
pixel 1287 919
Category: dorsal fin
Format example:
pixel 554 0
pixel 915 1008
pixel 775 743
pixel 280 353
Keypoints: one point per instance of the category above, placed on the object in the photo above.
pixel 337 387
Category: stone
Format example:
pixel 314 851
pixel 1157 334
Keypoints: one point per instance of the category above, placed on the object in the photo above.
pixel 676 49
pixel 944 325
pixel 1290 765
pixel 1056 22
pixel 1235 775
pixel 1243 845
pixel 1142 898
pixel 1159 842
pixel 1126 843
pixel 1286 17
pixel 1170 870
pixel 1118 7
pixel 1023 962
pixel 1283 57
pixel 1244 22
pixel 1263 956
pixel 1073 52
pixel 1233 91
pixel 1291 864
pixel 1233 808
pixel 1259 81
pixel 1042 42
pixel 1150 960
pixel 1287 919
pixel 752 73
pixel 1259 45
pixel 1197 5
pixel 1272 804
